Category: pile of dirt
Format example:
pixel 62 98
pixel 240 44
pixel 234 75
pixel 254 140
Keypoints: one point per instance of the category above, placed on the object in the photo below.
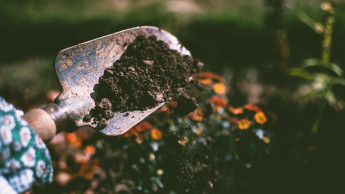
pixel 147 74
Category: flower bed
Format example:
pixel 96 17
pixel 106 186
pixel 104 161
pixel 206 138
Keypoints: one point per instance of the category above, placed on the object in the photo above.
pixel 197 153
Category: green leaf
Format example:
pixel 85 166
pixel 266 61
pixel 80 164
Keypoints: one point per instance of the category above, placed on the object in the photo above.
pixel 336 69
pixel 330 97
pixel 316 26
pixel 311 62
pixel 338 81
pixel 299 72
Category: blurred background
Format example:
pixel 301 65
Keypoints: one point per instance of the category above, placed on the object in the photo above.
pixel 223 34
pixel 286 56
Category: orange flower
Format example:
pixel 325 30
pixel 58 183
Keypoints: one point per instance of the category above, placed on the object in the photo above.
pixel 173 103
pixel 131 132
pixel 73 139
pixel 266 139
pixel 164 109
pixel 139 139
pixel 87 170
pixel 219 88
pixel 244 124
pixel 156 134
pixel 188 115
pixel 206 81
pixel 143 126
pixel 163 113
pixel 219 101
pixel 198 114
pixel 127 134
pixel 236 111
pixel 212 76
pixel 90 149
pixel 260 118
pixel 197 131
pixel 252 107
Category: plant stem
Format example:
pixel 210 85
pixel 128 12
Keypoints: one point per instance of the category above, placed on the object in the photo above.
pixel 327 35
pixel 318 118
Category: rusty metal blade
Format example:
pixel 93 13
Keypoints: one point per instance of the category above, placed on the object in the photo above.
pixel 79 68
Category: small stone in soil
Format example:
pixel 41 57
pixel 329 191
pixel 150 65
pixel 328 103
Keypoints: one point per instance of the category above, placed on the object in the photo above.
pixel 102 123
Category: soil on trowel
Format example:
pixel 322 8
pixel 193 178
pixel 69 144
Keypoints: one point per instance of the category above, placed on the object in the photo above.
pixel 147 74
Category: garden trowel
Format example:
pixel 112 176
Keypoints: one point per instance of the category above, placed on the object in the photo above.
pixel 78 69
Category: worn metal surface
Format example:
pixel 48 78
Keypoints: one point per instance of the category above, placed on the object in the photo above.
pixel 80 67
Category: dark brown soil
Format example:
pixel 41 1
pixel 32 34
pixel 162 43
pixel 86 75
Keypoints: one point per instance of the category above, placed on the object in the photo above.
pixel 185 105
pixel 148 73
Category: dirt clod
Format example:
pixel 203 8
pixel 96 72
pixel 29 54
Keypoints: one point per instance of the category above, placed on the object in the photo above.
pixel 185 104
pixel 148 73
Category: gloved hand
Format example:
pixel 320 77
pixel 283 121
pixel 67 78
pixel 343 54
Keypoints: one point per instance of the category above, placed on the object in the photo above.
pixel 24 158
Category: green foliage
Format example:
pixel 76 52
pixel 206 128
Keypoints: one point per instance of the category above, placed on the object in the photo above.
pixel 321 75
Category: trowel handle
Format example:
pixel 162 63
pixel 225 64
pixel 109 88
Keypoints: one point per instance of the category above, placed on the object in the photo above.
pixel 47 122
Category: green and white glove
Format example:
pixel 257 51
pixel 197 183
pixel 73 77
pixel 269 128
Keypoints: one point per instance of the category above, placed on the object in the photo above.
pixel 24 158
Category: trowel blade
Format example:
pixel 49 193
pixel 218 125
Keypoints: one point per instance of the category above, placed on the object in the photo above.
pixel 79 68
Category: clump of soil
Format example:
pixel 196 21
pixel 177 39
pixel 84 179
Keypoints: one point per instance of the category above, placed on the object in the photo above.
pixel 185 105
pixel 148 73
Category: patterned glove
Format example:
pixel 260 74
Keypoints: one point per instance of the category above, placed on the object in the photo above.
pixel 24 158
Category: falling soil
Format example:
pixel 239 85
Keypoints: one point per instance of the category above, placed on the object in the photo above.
pixel 185 105
pixel 147 74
